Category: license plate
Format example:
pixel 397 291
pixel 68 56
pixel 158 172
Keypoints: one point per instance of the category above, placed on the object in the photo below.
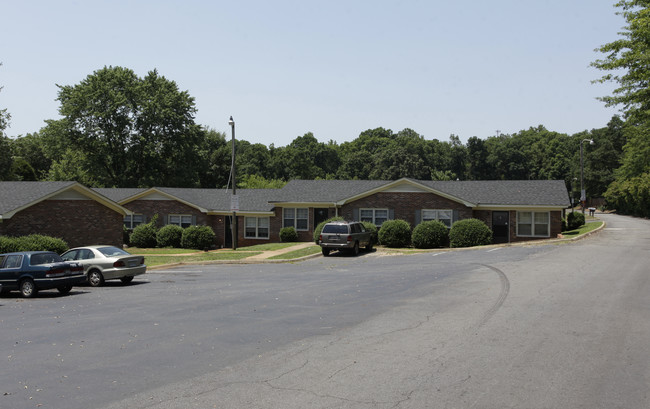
pixel 133 263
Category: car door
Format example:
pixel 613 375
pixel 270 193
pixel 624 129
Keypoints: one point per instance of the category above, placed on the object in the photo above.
pixel 10 270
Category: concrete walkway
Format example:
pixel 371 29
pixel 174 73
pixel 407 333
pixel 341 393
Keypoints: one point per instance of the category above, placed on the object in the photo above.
pixel 265 255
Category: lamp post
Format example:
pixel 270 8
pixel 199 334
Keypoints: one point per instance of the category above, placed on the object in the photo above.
pixel 583 195
pixel 234 202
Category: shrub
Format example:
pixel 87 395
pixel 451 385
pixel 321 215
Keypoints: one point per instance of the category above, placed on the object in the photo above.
pixel 169 236
pixel 144 235
pixel 574 220
pixel 33 242
pixel 372 228
pixel 288 234
pixel 429 235
pixel 469 233
pixel 126 235
pixel 395 233
pixel 564 225
pixel 198 237
pixel 319 228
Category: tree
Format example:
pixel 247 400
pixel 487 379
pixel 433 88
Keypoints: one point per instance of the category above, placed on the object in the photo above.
pixel 627 61
pixel 6 160
pixel 134 131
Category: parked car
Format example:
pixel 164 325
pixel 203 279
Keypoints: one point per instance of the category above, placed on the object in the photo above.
pixel 341 235
pixel 32 271
pixel 103 263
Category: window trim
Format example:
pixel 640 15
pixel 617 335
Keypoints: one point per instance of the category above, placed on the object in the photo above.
pixel 437 218
pixel 128 220
pixel 532 224
pixel 257 228
pixel 180 216
pixel 374 214
pixel 295 217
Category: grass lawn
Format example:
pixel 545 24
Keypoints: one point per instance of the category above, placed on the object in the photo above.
pixel 585 228
pixel 307 251
pixel 156 260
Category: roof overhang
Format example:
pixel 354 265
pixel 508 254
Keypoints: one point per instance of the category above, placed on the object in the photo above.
pixel 154 190
pixel 239 213
pixel 540 207
pixel 402 182
pixel 78 188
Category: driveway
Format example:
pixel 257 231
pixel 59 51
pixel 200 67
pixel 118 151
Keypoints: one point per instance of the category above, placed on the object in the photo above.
pixel 534 326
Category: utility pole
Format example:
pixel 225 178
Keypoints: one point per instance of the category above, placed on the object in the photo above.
pixel 234 200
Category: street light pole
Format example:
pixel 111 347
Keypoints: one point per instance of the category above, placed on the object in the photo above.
pixel 233 225
pixel 583 195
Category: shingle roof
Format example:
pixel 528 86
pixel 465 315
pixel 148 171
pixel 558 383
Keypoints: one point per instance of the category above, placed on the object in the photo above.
pixel 14 195
pixel 212 200
pixel 506 192
pixel 487 192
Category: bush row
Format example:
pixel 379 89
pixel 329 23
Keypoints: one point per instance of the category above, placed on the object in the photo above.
pixel 33 242
pixel 434 234
pixel 148 235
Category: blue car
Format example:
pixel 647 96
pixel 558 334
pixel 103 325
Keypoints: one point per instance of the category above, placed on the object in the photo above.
pixel 32 271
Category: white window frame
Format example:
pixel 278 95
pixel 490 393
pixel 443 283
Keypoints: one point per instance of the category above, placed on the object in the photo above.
pixel 180 222
pixel 533 223
pixel 436 216
pixel 295 219
pixel 373 218
pixel 131 223
pixel 257 223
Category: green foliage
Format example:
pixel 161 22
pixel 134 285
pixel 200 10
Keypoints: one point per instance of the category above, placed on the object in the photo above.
pixel 395 233
pixel 198 237
pixel 630 196
pixel 133 131
pixel 32 242
pixel 372 228
pixel 319 228
pixel 469 233
pixel 259 182
pixel 288 234
pixel 627 64
pixel 169 236
pixel 574 220
pixel 430 235
pixel 144 235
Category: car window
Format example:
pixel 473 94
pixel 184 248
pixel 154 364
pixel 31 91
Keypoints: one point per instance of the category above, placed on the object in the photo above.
pixel 112 251
pixel 14 261
pixel 335 228
pixel 69 255
pixel 44 258
pixel 85 254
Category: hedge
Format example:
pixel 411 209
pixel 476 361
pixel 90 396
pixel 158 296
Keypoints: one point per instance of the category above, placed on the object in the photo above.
pixel 395 233
pixel 429 235
pixel 469 233
pixel 33 242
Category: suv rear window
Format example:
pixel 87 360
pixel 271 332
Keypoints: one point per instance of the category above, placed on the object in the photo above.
pixel 335 228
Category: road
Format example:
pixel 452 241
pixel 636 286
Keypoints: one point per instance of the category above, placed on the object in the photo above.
pixel 540 326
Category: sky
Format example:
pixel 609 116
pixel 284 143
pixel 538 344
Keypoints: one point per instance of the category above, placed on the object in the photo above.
pixel 333 68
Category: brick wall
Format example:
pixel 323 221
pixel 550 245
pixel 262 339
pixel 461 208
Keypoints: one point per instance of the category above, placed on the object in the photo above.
pixel 405 205
pixel 78 222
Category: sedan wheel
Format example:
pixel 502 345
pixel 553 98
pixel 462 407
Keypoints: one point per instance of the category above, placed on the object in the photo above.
pixel 64 289
pixel 95 278
pixel 127 279
pixel 27 288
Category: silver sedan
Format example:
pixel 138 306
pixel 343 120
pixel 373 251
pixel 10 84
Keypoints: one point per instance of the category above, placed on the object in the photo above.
pixel 106 263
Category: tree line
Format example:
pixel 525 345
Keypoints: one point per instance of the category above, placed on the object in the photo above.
pixel 121 130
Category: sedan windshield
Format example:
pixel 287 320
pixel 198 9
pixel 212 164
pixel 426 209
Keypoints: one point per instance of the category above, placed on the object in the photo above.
pixel 112 251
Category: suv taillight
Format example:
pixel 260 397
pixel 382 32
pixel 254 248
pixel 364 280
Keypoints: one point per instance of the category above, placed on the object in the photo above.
pixel 320 238
pixel 349 238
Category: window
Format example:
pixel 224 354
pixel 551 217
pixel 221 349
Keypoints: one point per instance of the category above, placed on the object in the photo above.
pixel 131 223
pixel 533 224
pixel 183 220
pixel 256 227
pixel 297 218
pixel 375 216
pixel 444 216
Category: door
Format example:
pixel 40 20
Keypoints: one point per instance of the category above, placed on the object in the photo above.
pixel 227 242
pixel 500 227
pixel 320 215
